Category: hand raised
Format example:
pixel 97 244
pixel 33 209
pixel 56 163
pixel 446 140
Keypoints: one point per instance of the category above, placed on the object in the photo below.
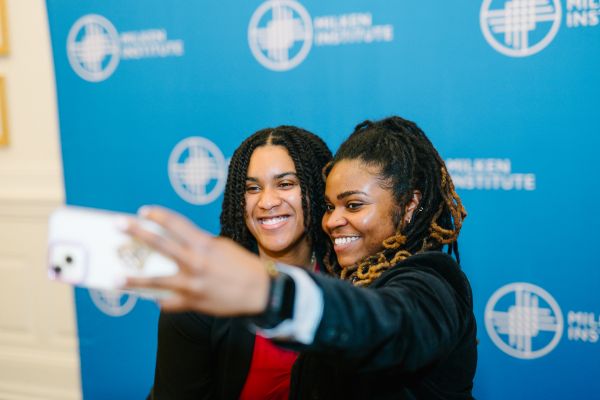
pixel 216 276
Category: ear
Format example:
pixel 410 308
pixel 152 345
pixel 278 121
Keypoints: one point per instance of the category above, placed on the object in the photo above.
pixel 412 205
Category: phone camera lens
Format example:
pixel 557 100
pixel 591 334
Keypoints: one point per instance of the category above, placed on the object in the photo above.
pixel 57 269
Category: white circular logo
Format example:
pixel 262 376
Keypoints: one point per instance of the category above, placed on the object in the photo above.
pixel 520 28
pixel 197 170
pixel 93 48
pixel 113 303
pixel 524 320
pixel 280 34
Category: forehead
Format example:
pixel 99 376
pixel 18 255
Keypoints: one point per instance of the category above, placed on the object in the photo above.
pixel 270 159
pixel 351 175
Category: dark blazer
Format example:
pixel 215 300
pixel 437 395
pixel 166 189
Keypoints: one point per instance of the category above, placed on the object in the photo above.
pixel 410 335
pixel 201 357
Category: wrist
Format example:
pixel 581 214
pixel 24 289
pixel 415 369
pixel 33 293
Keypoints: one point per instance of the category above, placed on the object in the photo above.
pixel 258 296
pixel 279 302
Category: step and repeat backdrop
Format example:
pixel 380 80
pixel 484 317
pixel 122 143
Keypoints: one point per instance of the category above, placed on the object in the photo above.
pixel 155 95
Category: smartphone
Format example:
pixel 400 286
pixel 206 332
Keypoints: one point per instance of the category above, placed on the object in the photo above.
pixel 87 248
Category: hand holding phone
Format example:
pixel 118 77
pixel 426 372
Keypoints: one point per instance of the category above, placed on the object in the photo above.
pixel 86 247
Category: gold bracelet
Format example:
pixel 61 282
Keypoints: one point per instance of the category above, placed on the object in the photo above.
pixel 271 268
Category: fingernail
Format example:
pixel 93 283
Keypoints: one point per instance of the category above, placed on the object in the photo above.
pixel 144 211
pixel 120 282
pixel 122 223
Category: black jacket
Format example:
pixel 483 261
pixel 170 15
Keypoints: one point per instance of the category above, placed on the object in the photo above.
pixel 410 335
pixel 201 357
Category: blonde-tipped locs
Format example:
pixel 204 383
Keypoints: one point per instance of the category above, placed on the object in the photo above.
pixel 407 162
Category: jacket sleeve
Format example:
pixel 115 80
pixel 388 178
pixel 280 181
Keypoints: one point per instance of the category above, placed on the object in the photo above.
pixel 411 320
pixel 184 360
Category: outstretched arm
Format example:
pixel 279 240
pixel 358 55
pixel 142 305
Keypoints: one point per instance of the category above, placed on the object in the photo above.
pixel 216 276
pixel 413 318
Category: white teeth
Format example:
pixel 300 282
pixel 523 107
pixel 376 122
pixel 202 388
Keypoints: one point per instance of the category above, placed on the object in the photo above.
pixel 345 240
pixel 272 221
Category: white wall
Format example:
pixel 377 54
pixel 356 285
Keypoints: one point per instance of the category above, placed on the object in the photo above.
pixel 38 342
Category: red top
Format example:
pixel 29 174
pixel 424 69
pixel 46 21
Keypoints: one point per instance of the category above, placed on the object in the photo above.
pixel 270 371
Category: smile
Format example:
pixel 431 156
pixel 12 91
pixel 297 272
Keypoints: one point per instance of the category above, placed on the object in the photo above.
pixel 273 220
pixel 345 240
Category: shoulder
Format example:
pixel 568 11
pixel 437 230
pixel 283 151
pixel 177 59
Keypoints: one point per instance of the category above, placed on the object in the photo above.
pixel 202 329
pixel 434 259
pixel 193 326
pixel 429 261
pixel 430 266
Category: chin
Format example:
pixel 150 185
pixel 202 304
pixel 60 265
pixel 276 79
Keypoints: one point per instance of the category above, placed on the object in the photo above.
pixel 345 264
pixel 276 247
pixel 349 261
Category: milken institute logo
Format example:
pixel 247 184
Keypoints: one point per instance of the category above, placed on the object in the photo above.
pixel 113 302
pixel 280 34
pixel 520 28
pixel 524 320
pixel 197 170
pixel 93 48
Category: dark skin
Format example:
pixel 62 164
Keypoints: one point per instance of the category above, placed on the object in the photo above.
pixel 204 285
pixel 359 211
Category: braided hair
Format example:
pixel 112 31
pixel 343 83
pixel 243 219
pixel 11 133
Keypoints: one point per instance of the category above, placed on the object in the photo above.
pixel 309 154
pixel 407 161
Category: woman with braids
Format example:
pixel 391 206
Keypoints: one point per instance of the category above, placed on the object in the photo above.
pixel 399 323
pixel 272 206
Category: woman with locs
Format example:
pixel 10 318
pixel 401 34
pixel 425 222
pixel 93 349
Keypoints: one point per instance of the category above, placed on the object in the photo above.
pixel 397 324
pixel 273 205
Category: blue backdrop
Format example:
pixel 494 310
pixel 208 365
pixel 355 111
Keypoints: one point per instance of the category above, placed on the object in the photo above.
pixel 154 97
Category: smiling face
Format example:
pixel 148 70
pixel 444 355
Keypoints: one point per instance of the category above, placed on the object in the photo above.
pixel 359 213
pixel 274 213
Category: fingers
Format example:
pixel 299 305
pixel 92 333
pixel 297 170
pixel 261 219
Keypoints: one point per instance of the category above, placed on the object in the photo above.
pixel 165 245
pixel 172 283
pixel 174 303
pixel 179 227
pixel 183 292
pixel 185 285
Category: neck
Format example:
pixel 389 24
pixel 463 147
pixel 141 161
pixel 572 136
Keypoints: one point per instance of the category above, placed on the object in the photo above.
pixel 299 256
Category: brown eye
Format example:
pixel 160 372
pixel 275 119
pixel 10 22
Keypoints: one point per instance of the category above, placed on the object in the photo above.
pixel 287 185
pixel 252 189
pixel 354 206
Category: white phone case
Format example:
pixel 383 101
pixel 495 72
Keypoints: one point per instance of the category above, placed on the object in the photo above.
pixel 87 248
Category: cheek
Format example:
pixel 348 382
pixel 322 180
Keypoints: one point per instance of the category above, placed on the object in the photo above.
pixel 324 221
pixel 295 201
pixel 368 224
pixel 375 229
pixel 248 206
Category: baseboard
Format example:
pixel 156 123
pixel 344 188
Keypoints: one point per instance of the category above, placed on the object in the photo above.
pixel 38 374
pixel 11 391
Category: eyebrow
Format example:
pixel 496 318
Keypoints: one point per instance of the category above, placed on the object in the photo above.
pixel 278 176
pixel 349 193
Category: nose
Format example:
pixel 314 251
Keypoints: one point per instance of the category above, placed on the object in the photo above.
pixel 269 198
pixel 334 219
